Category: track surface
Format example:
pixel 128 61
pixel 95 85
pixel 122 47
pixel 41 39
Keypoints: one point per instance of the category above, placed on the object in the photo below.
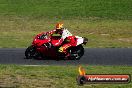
pixel 92 56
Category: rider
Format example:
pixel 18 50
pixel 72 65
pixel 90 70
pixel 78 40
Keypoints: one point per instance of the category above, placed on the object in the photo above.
pixel 59 29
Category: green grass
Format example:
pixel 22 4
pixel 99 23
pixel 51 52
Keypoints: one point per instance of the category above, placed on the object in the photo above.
pixel 107 23
pixel 18 32
pixel 17 76
pixel 109 9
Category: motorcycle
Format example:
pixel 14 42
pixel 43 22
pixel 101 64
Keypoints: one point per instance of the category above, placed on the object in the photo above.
pixel 46 46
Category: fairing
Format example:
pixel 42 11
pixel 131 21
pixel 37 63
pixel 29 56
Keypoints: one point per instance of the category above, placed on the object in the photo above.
pixel 80 40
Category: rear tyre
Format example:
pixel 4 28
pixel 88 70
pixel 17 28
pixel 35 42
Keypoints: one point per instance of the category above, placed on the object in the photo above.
pixel 30 52
pixel 76 52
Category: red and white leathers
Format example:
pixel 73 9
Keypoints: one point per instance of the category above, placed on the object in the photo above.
pixel 70 42
pixel 57 32
pixel 65 34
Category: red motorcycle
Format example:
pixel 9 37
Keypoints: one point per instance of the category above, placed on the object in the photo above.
pixel 46 46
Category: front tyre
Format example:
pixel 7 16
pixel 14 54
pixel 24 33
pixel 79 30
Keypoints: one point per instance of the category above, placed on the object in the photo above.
pixel 30 52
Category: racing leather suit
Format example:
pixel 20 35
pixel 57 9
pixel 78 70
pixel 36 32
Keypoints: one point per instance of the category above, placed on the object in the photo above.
pixel 64 47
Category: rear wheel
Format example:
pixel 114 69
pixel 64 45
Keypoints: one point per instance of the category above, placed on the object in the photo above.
pixel 76 52
pixel 30 52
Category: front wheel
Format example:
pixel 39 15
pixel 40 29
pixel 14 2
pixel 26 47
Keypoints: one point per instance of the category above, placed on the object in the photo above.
pixel 76 52
pixel 30 52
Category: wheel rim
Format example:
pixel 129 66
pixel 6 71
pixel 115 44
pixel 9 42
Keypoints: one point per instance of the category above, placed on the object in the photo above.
pixel 77 54
pixel 31 53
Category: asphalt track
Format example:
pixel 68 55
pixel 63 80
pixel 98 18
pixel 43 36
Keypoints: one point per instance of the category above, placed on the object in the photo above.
pixel 92 56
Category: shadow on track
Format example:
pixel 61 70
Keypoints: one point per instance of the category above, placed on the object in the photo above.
pixel 64 59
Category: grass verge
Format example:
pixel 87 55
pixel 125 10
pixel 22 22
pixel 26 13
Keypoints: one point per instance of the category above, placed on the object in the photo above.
pixel 106 9
pixel 17 76
pixel 19 32
pixel 107 23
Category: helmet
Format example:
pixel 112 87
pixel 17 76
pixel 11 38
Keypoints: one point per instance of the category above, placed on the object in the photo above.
pixel 59 25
